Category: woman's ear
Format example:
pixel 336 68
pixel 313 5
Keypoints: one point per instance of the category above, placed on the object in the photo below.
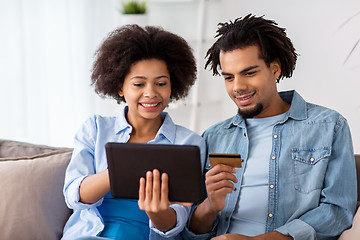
pixel 276 68
pixel 120 92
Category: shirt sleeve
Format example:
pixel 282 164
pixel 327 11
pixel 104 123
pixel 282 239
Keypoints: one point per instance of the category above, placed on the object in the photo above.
pixel 81 165
pixel 182 214
pixel 338 195
pixel 187 234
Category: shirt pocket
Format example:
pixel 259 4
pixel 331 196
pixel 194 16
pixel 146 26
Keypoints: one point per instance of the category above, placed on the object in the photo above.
pixel 309 168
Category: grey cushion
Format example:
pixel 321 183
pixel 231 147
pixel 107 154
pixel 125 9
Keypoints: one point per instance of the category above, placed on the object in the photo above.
pixel 32 205
pixel 15 149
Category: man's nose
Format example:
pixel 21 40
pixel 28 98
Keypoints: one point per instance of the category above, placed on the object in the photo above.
pixel 239 84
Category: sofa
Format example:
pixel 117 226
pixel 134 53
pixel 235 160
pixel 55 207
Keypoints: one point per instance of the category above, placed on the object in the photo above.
pixel 32 204
pixel 353 233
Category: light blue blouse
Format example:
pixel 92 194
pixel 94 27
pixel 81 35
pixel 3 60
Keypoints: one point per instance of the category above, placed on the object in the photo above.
pixel 89 157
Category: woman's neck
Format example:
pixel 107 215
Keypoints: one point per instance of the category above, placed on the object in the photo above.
pixel 144 130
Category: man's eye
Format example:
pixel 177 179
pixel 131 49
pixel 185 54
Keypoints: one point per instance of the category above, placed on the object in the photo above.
pixel 228 78
pixel 250 73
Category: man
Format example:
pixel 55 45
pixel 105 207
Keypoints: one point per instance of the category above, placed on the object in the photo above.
pixel 298 178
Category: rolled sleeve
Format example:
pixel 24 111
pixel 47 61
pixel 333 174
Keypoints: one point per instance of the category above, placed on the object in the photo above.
pixel 72 196
pixel 298 229
pixel 182 214
pixel 81 165
pixel 187 234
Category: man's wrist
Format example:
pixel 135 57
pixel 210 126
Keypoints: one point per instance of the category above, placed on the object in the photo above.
pixel 203 218
pixel 210 212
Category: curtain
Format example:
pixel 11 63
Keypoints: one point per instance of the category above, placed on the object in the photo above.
pixel 46 53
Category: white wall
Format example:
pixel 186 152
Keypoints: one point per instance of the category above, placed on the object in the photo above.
pixel 320 76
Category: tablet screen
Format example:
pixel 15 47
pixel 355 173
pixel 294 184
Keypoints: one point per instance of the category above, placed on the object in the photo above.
pixel 127 162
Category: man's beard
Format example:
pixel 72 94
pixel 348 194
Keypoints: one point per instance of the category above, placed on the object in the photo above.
pixel 250 113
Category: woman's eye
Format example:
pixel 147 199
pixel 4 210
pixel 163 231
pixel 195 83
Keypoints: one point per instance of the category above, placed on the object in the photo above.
pixel 138 84
pixel 162 84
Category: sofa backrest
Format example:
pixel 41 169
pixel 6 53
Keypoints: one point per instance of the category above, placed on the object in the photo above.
pixel 16 149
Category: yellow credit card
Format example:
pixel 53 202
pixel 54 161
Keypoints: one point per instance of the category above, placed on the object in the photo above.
pixel 230 159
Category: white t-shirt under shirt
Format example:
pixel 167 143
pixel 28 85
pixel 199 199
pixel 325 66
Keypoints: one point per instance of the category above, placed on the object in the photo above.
pixel 250 213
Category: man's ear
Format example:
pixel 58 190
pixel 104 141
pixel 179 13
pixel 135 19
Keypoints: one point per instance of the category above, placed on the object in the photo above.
pixel 276 68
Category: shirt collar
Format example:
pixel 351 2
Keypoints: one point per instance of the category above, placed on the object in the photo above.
pixel 121 123
pixel 297 111
pixel 236 121
pixel 167 129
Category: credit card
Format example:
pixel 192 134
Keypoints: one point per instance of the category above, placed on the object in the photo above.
pixel 230 159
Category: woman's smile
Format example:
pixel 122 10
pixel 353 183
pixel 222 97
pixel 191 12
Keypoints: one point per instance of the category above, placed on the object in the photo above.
pixel 150 106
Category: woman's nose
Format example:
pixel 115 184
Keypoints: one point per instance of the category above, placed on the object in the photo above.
pixel 150 92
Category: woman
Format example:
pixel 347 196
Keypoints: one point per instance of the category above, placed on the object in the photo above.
pixel 147 68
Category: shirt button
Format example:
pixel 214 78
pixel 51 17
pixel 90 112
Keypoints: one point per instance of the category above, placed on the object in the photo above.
pixel 244 134
pixel 272 186
pixel 226 219
pixel 275 136
pixel 270 215
pixel 273 157
pixel 312 159
pixel 235 189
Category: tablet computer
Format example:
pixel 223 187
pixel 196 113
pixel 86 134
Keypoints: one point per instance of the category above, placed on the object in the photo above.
pixel 127 162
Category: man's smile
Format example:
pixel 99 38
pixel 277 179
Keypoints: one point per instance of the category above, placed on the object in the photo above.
pixel 245 99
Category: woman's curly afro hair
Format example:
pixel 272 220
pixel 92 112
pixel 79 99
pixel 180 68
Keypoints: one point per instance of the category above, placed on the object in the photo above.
pixel 132 43
pixel 249 31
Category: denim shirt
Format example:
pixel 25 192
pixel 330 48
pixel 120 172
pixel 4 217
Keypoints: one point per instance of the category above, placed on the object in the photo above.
pixel 89 157
pixel 312 174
